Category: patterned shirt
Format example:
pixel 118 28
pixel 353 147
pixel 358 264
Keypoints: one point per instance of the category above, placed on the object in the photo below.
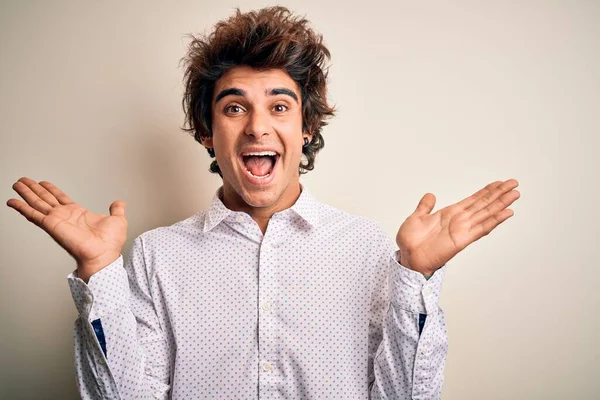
pixel 210 308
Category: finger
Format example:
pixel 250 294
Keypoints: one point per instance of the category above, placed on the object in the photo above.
pixel 426 204
pixel 492 195
pixel 41 191
pixel 491 223
pixel 22 187
pixel 466 203
pixel 117 208
pixel 28 212
pixel 498 205
pixel 57 193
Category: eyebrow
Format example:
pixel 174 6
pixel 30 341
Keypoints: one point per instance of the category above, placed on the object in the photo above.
pixel 229 92
pixel 240 92
pixel 288 92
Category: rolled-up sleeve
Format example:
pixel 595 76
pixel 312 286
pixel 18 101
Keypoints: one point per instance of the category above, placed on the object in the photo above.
pixel 409 362
pixel 120 349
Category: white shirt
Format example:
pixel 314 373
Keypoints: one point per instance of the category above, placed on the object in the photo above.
pixel 210 308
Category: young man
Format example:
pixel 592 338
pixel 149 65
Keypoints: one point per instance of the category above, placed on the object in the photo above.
pixel 268 293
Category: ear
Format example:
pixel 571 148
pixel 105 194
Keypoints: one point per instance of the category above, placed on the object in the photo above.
pixel 207 142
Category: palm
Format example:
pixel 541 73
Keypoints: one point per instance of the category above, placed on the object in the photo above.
pixel 428 241
pixel 92 239
pixel 85 235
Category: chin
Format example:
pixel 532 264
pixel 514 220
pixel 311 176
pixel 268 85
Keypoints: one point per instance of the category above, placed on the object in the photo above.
pixel 260 198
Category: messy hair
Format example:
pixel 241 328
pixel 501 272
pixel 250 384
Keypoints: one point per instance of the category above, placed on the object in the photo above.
pixel 270 38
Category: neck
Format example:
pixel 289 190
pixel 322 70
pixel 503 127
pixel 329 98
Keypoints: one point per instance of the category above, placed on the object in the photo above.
pixel 261 215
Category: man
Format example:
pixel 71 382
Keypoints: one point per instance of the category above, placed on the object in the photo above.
pixel 268 293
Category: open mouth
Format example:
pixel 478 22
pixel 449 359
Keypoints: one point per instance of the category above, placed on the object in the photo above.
pixel 260 164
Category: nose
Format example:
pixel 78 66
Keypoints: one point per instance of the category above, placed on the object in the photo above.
pixel 259 124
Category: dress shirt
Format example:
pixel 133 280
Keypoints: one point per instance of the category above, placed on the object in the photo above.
pixel 210 308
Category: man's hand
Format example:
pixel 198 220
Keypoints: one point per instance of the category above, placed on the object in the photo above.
pixel 94 240
pixel 428 241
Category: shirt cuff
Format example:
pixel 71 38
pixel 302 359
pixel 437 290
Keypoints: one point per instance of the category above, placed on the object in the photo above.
pixel 107 290
pixel 410 290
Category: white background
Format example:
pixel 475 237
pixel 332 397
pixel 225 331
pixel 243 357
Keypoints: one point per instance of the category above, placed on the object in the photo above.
pixel 440 97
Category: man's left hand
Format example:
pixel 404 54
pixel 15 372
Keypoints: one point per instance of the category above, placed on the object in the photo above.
pixel 428 241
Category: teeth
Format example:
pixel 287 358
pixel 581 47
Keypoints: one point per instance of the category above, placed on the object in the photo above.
pixel 258 176
pixel 261 153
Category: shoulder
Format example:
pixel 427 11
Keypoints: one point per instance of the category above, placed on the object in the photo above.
pixel 157 246
pixel 332 218
pixel 165 236
pixel 363 238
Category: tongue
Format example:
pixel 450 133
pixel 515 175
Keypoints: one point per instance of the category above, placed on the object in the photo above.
pixel 259 166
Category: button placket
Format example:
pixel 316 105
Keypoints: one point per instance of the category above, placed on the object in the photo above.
pixel 268 329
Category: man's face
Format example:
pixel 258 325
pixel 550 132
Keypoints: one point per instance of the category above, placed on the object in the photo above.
pixel 257 136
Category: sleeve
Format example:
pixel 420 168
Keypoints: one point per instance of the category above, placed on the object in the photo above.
pixel 120 349
pixel 407 333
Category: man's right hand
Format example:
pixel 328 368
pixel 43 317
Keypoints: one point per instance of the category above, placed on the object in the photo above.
pixel 94 240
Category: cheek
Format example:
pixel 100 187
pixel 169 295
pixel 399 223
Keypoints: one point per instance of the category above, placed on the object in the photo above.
pixel 292 135
pixel 294 150
pixel 222 150
pixel 223 136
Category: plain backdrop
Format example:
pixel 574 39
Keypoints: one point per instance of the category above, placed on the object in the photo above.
pixel 440 97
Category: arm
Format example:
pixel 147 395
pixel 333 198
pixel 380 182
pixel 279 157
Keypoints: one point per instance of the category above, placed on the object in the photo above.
pixel 408 364
pixel 405 362
pixel 120 349
pixel 135 359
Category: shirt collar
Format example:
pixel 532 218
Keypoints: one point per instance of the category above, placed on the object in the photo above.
pixel 306 207
pixel 216 212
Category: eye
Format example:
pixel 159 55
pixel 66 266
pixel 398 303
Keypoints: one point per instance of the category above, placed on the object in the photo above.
pixel 280 108
pixel 233 109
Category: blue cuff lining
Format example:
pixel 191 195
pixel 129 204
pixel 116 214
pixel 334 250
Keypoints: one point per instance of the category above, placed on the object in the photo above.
pixel 422 318
pixel 97 325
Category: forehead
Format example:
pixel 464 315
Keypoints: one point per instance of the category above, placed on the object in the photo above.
pixel 255 81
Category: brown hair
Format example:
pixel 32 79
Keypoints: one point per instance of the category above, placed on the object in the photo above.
pixel 268 38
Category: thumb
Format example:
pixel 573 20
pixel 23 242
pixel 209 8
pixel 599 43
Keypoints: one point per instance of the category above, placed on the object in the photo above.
pixel 426 204
pixel 117 208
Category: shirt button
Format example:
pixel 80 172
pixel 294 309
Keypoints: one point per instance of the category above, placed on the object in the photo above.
pixel 266 306
pixel 427 292
pixel 240 218
pixel 88 299
pixel 102 362
pixel 267 367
